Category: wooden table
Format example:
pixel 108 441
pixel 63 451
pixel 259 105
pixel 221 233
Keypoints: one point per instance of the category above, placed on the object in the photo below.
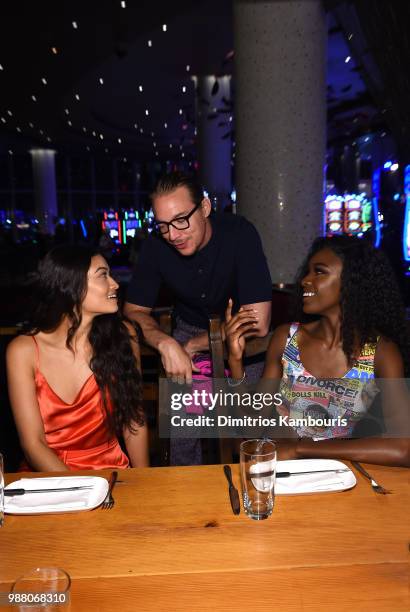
pixel 172 543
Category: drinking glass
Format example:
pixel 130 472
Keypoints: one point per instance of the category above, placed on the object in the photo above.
pixel 42 589
pixel 1 490
pixel 258 471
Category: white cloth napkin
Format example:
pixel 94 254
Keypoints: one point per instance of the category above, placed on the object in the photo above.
pixel 309 483
pixel 50 501
pixel 313 483
pixel 305 483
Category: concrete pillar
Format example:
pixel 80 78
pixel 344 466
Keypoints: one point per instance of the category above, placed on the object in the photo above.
pixel 214 138
pixel 280 122
pixel 44 178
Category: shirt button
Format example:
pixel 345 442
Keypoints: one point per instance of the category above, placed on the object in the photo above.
pixel 203 295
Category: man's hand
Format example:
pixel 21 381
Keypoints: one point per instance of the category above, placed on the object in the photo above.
pixel 176 361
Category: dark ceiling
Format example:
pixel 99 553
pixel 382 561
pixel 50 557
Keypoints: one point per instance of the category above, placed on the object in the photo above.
pixel 117 83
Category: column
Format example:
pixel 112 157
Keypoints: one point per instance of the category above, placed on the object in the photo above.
pixel 280 119
pixel 44 177
pixel 214 136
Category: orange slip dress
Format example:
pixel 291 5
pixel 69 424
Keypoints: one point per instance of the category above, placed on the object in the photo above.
pixel 78 432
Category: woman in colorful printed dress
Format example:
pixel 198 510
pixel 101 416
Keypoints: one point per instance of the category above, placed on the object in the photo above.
pixel 352 329
pixel 74 377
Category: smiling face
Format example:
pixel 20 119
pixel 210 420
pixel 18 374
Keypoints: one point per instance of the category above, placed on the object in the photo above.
pixel 101 296
pixel 322 283
pixel 171 206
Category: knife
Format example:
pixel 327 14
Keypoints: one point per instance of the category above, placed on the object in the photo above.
pixel 233 492
pixel 11 492
pixel 287 474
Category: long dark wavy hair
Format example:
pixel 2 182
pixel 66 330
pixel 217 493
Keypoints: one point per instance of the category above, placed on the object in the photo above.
pixel 58 290
pixel 370 302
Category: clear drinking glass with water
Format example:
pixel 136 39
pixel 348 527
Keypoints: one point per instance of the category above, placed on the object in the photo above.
pixel 258 472
pixel 42 589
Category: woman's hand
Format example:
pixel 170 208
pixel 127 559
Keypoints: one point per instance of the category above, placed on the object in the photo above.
pixel 237 328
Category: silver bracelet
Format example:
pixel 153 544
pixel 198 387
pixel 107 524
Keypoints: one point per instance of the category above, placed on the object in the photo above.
pixel 235 383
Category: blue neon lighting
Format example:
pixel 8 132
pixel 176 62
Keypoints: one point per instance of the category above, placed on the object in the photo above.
pixel 406 229
pixel 375 202
pixel 387 165
pixel 83 228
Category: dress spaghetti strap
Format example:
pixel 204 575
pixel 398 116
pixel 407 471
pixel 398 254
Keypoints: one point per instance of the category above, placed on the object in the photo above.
pixel 37 353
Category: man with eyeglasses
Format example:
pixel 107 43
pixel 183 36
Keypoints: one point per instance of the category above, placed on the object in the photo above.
pixel 205 259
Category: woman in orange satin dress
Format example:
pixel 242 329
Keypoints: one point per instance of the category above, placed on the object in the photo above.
pixel 74 377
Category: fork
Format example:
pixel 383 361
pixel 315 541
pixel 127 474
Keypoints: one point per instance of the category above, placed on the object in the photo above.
pixel 375 486
pixel 109 501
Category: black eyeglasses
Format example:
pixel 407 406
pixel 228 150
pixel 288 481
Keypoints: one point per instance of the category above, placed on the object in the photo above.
pixel 180 223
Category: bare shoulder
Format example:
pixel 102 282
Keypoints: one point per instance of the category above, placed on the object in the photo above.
pixel 21 345
pixel 278 340
pixel 21 350
pixel 388 359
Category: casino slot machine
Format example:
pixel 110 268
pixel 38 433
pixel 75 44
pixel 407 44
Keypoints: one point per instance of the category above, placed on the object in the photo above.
pixel 131 223
pixel 351 214
pixel 112 225
pixel 334 215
